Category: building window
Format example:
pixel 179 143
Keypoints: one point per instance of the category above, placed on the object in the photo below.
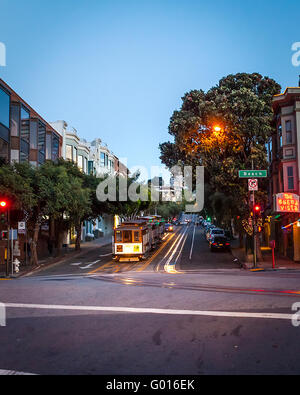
pixel 91 167
pixel 85 165
pixel 80 162
pixel 55 147
pixel 25 120
pixel 74 154
pixel 41 142
pixel 15 120
pixel 288 126
pixel 102 159
pixel 280 135
pixel 290 174
pixel 33 134
pixel 4 108
pixel 3 151
pixel 288 131
pixel 48 146
pixel 69 150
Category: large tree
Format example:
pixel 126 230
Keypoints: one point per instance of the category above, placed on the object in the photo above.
pixel 241 105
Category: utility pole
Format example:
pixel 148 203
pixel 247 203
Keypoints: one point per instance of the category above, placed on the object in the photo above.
pixel 254 225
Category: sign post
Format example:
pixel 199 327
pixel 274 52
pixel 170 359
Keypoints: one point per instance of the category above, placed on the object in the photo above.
pixel 252 176
pixel 272 245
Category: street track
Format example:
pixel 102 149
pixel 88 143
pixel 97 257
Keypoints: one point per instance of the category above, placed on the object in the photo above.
pixel 195 287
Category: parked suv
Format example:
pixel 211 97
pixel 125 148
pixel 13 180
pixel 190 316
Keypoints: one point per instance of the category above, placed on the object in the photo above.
pixel 214 232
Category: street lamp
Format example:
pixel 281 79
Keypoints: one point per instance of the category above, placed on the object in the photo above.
pixel 217 128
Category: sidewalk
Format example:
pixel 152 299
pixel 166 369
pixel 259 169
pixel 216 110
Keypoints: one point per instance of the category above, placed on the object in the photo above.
pixel 69 253
pixel 266 264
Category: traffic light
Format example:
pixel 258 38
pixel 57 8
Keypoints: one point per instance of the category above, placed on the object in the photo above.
pixel 3 212
pixel 257 210
pixel 4 235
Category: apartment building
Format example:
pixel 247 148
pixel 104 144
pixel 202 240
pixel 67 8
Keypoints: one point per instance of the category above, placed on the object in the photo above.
pixel 284 169
pixel 24 135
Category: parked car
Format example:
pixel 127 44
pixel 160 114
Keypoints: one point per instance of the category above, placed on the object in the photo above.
pixel 218 242
pixel 214 231
pixel 169 227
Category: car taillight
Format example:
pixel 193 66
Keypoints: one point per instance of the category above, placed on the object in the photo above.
pixel 228 244
pixel 214 244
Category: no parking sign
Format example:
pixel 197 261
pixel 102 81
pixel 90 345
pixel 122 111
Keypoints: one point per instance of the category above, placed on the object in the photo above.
pixel 253 184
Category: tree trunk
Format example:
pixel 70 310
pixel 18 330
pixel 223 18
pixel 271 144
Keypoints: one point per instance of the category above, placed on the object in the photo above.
pixel 241 239
pixel 33 244
pixel 59 242
pixel 78 236
pixel 258 249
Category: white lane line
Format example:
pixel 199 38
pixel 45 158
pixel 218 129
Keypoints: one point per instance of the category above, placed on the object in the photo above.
pixel 145 310
pixel 191 252
pixel 90 265
pixel 183 244
pixel 176 248
pixel 14 373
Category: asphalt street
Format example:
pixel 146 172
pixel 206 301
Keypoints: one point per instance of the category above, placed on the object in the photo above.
pixel 183 311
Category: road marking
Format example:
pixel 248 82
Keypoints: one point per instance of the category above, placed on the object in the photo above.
pixel 181 249
pixel 145 310
pixel 90 265
pixel 14 373
pixel 176 248
pixel 101 267
pixel 191 252
pixel 155 254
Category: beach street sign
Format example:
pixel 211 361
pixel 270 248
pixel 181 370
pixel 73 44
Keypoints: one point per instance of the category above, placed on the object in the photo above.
pixel 253 173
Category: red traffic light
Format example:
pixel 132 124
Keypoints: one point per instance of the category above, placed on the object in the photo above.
pixel 257 208
pixel 3 204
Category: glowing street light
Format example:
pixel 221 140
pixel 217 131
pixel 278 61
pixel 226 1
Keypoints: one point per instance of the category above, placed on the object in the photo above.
pixel 217 128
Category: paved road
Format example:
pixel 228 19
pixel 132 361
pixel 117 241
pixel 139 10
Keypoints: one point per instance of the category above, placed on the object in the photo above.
pixel 186 247
pixel 183 311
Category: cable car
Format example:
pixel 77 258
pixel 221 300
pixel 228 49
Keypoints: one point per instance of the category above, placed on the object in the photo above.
pixel 132 241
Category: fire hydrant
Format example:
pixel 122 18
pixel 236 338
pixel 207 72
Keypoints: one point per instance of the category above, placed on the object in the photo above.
pixel 16 265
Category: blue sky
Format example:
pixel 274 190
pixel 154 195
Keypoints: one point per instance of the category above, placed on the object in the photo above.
pixel 117 69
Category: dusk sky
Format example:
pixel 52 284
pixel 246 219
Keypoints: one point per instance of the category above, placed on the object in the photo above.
pixel 117 69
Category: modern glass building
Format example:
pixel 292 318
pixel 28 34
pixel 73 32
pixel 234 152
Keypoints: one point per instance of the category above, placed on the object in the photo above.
pixel 24 135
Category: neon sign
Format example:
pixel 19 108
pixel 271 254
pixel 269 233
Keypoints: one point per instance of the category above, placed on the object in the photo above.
pixel 287 203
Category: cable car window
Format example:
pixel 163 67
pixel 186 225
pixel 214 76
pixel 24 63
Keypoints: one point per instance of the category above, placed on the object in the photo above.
pixel 127 235
pixel 119 236
pixel 136 237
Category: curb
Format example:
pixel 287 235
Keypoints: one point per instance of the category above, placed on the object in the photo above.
pixel 63 258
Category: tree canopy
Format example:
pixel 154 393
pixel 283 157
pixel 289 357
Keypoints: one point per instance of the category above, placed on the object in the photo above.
pixel 241 106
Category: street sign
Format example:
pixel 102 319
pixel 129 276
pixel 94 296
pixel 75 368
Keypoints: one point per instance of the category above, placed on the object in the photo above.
pixel 253 173
pixel 253 184
pixel 22 227
pixel 13 234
